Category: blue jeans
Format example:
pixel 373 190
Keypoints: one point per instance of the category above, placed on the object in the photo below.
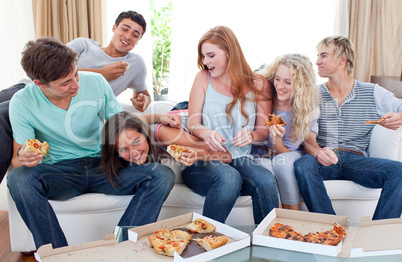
pixel 366 171
pixel 32 187
pixel 222 184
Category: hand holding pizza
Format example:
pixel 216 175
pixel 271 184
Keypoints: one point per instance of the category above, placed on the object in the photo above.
pixel 28 159
pixel 243 137
pixel 392 120
pixel 326 157
pixel 188 157
pixel 113 71
pixel 276 131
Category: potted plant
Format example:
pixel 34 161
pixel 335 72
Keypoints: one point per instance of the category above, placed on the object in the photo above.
pixel 161 33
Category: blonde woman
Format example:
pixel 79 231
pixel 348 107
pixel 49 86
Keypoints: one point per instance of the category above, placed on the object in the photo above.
pixel 227 111
pixel 295 100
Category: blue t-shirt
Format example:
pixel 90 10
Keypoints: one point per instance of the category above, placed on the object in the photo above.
pixel 72 133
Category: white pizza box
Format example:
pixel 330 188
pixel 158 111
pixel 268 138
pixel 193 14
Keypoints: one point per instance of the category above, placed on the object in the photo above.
pixel 368 238
pixel 139 235
pixel 377 238
pixel 138 247
pixel 302 222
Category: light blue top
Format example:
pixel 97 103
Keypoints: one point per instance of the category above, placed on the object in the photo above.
pixel 214 117
pixel 92 56
pixel 71 134
pixel 292 146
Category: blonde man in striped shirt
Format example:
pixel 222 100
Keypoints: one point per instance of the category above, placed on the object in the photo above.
pixel 339 149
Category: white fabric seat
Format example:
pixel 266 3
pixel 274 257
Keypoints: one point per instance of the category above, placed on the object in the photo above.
pixel 90 216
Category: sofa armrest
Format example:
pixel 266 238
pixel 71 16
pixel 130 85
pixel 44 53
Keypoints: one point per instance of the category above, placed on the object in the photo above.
pixel 386 143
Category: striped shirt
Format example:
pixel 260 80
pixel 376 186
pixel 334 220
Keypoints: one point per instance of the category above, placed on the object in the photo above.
pixel 345 126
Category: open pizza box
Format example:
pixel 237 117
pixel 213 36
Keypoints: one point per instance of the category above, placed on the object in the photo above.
pixel 138 247
pixel 139 235
pixel 369 238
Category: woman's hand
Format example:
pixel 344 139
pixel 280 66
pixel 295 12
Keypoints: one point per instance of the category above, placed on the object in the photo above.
pixel 188 158
pixel 214 140
pixel 172 120
pixel 29 159
pixel 276 132
pixel 243 137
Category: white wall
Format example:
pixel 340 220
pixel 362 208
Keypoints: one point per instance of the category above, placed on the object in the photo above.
pixel 110 10
pixel 16 28
pixel 264 28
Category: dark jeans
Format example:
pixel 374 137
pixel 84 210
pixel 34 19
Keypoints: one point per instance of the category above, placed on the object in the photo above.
pixel 32 187
pixel 6 134
pixel 222 184
pixel 366 171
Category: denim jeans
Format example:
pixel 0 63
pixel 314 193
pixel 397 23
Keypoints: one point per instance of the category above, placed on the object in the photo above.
pixel 366 171
pixel 222 184
pixel 32 187
pixel 6 134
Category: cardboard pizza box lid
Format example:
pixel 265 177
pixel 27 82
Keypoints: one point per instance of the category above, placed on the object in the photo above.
pixel 377 237
pixel 139 235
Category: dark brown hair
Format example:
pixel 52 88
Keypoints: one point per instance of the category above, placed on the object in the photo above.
pixel 47 59
pixel 111 162
pixel 136 17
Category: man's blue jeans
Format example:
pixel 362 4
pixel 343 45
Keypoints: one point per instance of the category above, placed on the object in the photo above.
pixel 366 171
pixel 32 187
pixel 222 184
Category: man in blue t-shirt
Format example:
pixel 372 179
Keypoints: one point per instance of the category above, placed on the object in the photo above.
pixel 338 151
pixel 110 61
pixel 67 109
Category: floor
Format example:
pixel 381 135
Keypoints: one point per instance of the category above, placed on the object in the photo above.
pixel 6 255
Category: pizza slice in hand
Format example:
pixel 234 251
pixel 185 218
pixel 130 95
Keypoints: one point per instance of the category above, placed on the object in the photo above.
pixel 176 151
pixel 375 121
pixel 211 242
pixel 274 120
pixel 201 226
pixel 34 145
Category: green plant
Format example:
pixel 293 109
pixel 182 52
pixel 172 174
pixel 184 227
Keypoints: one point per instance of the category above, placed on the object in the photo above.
pixel 161 33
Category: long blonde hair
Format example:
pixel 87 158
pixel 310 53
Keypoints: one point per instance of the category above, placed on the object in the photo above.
pixel 238 69
pixel 304 98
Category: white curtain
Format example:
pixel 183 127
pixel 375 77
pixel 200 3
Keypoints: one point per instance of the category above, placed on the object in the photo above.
pixel 16 29
pixel 264 28
pixel 110 10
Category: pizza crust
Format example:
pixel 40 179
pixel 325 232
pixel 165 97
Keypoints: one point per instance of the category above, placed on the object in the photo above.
pixel 176 151
pixel 34 145
pixel 201 226
pixel 210 242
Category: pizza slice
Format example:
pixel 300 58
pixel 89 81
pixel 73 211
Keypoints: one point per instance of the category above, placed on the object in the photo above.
pixel 166 242
pixel 126 66
pixel 375 121
pixel 210 242
pixel 176 151
pixel 201 226
pixel 285 231
pixel 34 145
pixel 274 120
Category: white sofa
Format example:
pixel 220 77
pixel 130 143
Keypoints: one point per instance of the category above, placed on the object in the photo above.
pixel 90 216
